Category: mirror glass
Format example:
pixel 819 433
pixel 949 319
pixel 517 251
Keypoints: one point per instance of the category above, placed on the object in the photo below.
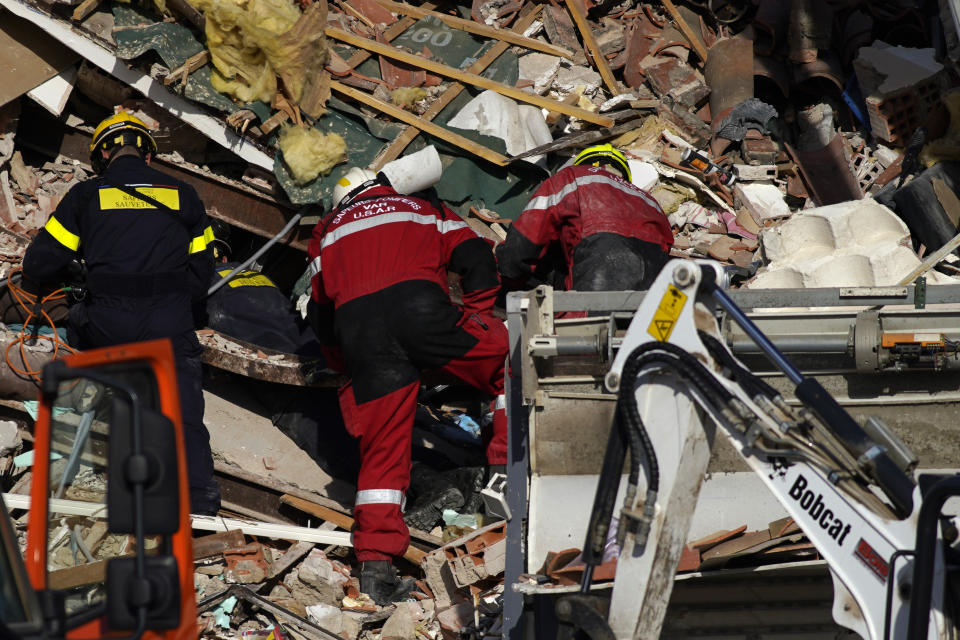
pixel 77 538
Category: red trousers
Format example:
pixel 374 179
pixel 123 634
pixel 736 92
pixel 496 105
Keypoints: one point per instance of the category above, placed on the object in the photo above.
pixel 385 347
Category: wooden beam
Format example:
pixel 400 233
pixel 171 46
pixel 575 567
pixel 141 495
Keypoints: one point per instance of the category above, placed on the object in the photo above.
pixel 79 575
pixel 216 543
pixel 685 29
pixel 395 148
pixel 188 11
pixel 291 556
pixel 504 35
pixel 345 522
pixel 601 62
pixel 345 6
pixel 467 78
pixel 424 125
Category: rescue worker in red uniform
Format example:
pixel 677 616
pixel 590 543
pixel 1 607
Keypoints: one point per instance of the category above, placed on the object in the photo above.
pixel 380 261
pixel 613 235
pixel 143 237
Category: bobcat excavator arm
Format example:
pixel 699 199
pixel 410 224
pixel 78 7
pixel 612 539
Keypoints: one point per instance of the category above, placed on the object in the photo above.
pixel 854 496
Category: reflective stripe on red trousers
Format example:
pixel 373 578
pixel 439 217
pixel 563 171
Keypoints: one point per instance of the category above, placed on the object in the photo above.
pixel 384 426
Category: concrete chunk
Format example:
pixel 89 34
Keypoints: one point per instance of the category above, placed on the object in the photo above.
pixel 540 69
pixel 326 616
pixel 883 69
pixel 568 79
pixel 763 201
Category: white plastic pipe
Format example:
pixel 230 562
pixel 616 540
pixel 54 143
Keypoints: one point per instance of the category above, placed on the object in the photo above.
pixel 415 172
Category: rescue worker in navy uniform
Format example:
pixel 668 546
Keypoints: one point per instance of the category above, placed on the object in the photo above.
pixel 250 307
pixel 143 237
pixel 612 235
pixel 380 260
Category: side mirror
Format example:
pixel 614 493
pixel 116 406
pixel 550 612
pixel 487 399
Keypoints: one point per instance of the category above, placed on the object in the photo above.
pixel 156 596
pixel 155 468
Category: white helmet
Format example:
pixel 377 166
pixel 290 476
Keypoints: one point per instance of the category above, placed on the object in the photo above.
pixel 353 178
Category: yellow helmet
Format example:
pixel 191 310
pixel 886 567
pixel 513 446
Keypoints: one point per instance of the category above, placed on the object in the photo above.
pixel 119 130
pixel 605 154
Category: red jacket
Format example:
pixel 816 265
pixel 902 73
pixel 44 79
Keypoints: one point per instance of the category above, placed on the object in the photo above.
pixel 382 238
pixel 577 202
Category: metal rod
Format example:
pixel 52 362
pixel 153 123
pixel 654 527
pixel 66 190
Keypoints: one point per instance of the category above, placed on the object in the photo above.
pixel 794 344
pixel 762 341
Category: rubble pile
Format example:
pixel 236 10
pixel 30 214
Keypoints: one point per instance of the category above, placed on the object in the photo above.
pixel 734 120
pixel 801 144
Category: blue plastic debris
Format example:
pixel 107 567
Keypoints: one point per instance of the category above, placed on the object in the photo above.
pixel 25 459
pixel 222 613
pixel 468 424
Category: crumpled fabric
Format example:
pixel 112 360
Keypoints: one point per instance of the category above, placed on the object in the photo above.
pixel 752 113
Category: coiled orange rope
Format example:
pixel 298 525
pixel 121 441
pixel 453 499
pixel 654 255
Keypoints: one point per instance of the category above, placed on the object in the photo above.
pixel 29 303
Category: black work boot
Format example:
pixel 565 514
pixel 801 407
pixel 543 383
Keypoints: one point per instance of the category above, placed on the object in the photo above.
pixel 378 579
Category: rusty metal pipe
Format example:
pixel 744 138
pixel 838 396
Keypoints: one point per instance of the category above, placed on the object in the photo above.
pixel 729 74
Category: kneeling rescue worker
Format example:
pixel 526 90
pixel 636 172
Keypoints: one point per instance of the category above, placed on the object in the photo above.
pixel 380 259
pixel 612 234
pixel 143 238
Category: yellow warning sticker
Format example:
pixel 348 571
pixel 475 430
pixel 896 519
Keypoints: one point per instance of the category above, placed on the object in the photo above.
pixel 665 318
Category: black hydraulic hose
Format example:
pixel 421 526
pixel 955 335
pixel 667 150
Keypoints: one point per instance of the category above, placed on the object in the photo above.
pixel 603 501
pixel 628 429
pixel 751 382
pixel 627 405
pixel 926 547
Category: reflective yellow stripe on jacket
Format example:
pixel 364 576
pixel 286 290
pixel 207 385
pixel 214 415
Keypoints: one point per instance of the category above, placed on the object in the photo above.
pixel 200 243
pixel 59 232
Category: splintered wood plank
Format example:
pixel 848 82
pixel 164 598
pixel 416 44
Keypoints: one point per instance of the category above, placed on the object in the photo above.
pixel 182 72
pixel 598 58
pixel 292 556
pixel 510 36
pixel 467 78
pixel 685 29
pixel 424 125
pixel 395 148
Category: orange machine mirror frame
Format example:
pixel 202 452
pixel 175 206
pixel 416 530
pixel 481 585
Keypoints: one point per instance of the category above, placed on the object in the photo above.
pixel 158 354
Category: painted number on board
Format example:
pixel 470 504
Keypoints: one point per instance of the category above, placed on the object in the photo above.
pixel 437 39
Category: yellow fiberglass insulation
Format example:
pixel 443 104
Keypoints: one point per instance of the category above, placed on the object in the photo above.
pixel 309 152
pixel 407 96
pixel 248 50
